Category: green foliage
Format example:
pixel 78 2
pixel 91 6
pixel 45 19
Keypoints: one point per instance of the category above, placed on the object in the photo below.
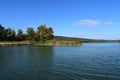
pixel 20 36
pixel 2 33
pixel 30 34
pixel 36 37
pixel 45 33
pixel 13 38
pixel 50 30
pixel 10 34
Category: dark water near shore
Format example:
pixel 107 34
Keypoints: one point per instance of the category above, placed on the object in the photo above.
pixel 91 61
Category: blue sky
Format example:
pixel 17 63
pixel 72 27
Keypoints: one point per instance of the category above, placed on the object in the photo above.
pixel 96 19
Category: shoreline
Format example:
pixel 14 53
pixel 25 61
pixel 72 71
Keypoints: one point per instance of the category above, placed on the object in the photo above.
pixel 48 43
pixel 13 43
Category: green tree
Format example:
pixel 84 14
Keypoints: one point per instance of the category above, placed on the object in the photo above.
pixel 2 33
pixel 30 34
pixel 50 30
pixel 13 35
pixel 37 38
pixel 10 34
pixel 45 33
pixel 42 29
pixel 20 36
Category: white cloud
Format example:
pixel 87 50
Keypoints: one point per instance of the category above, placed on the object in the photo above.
pixel 87 22
pixel 108 23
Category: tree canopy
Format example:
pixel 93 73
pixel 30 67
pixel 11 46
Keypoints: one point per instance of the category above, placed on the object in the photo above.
pixel 20 36
pixel 30 34
pixel 2 33
pixel 10 34
pixel 43 33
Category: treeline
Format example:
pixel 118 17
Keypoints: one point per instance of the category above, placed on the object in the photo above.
pixel 43 33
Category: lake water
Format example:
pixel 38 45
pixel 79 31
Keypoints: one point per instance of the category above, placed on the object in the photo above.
pixel 90 61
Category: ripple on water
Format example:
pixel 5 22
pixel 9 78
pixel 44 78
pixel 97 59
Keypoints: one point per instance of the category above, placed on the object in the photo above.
pixel 91 61
pixel 71 74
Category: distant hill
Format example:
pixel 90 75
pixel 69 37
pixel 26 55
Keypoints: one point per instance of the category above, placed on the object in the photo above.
pixel 81 39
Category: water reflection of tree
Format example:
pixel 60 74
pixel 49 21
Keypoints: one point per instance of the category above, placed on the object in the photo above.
pixel 40 61
pixel 46 61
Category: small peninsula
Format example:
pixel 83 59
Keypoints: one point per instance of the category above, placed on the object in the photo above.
pixel 44 36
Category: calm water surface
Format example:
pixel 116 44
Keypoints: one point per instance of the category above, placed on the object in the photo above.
pixel 91 61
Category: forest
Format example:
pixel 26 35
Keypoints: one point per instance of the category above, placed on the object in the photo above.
pixel 42 34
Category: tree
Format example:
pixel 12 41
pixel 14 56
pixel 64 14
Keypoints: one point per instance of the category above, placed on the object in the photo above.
pixel 10 34
pixel 42 30
pixel 50 30
pixel 30 34
pixel 13 35
pixel 37 38
pixel 45 33
pixel 20 36
pixel 2 33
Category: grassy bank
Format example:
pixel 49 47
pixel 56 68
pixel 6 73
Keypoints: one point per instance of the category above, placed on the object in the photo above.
pixel 14 43
pixel 57 43
pixel 46 43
